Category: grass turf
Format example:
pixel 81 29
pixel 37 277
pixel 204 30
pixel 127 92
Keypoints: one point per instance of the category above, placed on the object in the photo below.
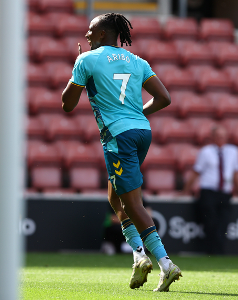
pixel 97 276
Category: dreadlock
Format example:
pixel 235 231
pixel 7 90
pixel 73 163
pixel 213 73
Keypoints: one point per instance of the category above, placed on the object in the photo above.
pixel 119 24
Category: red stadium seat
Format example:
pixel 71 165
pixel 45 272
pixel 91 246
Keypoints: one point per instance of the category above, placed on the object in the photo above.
pixel 159 181
pixel 202 129
pixel 216 30
pixel 47 49
pixel 58 73
pixel 76 154
pixel 98 149
pixel 84 178
pixel 56 6
pixel 45 101
pixel 225 54
pixel 39 25
pixel 176 99
pixel 171 130
pixel 225 105
pixel 194 53
pixel 59 127
pixel 57 192
pixel 176 28
pixel 193 105
pixel 42 154
pixel 162 69
pixel 231 126
pixel 71 46
pixel 70 25
pixel 161 52
pixel 185 156
pixel 209 79
pixel 88 127
pixel 31 92
pixel 144 27
pixel 36 75
pixel 232 72
pixel 178 80
pixel 35 129
pixel 136 47
pixel 46 177
pixel 159 157
pixel 32 5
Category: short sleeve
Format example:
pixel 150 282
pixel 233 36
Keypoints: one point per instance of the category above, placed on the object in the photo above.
pixel 79 73
pixel 236 160
pixel 148 73
pixel 199 165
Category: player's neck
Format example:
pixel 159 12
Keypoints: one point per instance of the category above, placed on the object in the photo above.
pixel 109 42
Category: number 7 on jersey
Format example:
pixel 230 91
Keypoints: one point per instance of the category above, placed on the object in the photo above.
pixel 125 79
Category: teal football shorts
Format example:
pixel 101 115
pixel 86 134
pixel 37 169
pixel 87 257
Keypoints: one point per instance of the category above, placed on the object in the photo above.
pixel 124 155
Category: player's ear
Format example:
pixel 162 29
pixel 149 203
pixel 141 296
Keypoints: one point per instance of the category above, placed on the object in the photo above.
pixel 102 34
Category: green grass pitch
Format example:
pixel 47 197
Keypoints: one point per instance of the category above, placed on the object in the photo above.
pixel 100 277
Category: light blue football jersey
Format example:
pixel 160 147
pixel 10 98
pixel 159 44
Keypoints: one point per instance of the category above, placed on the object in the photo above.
pixel 113 78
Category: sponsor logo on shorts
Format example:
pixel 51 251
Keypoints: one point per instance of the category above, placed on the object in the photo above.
pixel 117 165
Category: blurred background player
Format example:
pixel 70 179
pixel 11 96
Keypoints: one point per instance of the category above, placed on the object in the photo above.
pixel 113 78
pixel 217 167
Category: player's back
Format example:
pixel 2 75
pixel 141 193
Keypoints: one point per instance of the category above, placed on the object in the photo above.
pixel 115 87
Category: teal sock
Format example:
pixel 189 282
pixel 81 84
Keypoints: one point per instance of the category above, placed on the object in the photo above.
pixel 131 234
pixel 153 242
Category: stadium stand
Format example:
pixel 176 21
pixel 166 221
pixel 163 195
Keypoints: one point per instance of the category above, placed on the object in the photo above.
pixel 224 53
pixel 40 153
pixel 84 178
pixel 202 129
pixel 145 28
pixel 46 177
pixel 216 30
pixel 57 74
pixel 44 6
pixel 34 129
pixel 209 79
pixel 168 130
pixel 161 52
pixel 68 24
pixel 159 157
pixel 194 53
pixel 180 29
pixel 43 100
pixel 36 75
pixel 39 25
pixel 197 62
pixel 160 181
pixel 43 49
pixel 194 105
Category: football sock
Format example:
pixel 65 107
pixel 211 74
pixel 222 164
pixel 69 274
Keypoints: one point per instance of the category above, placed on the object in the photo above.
pixel 153 243
pixel 132 238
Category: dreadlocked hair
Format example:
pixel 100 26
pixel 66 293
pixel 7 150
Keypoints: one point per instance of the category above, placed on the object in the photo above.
pixel 119 24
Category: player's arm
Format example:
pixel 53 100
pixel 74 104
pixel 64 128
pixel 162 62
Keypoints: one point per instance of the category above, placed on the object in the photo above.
pixel 70 96
pixel 161 97
pixel 190 182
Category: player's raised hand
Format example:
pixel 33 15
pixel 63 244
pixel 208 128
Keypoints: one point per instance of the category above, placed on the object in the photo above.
pixel 80 48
